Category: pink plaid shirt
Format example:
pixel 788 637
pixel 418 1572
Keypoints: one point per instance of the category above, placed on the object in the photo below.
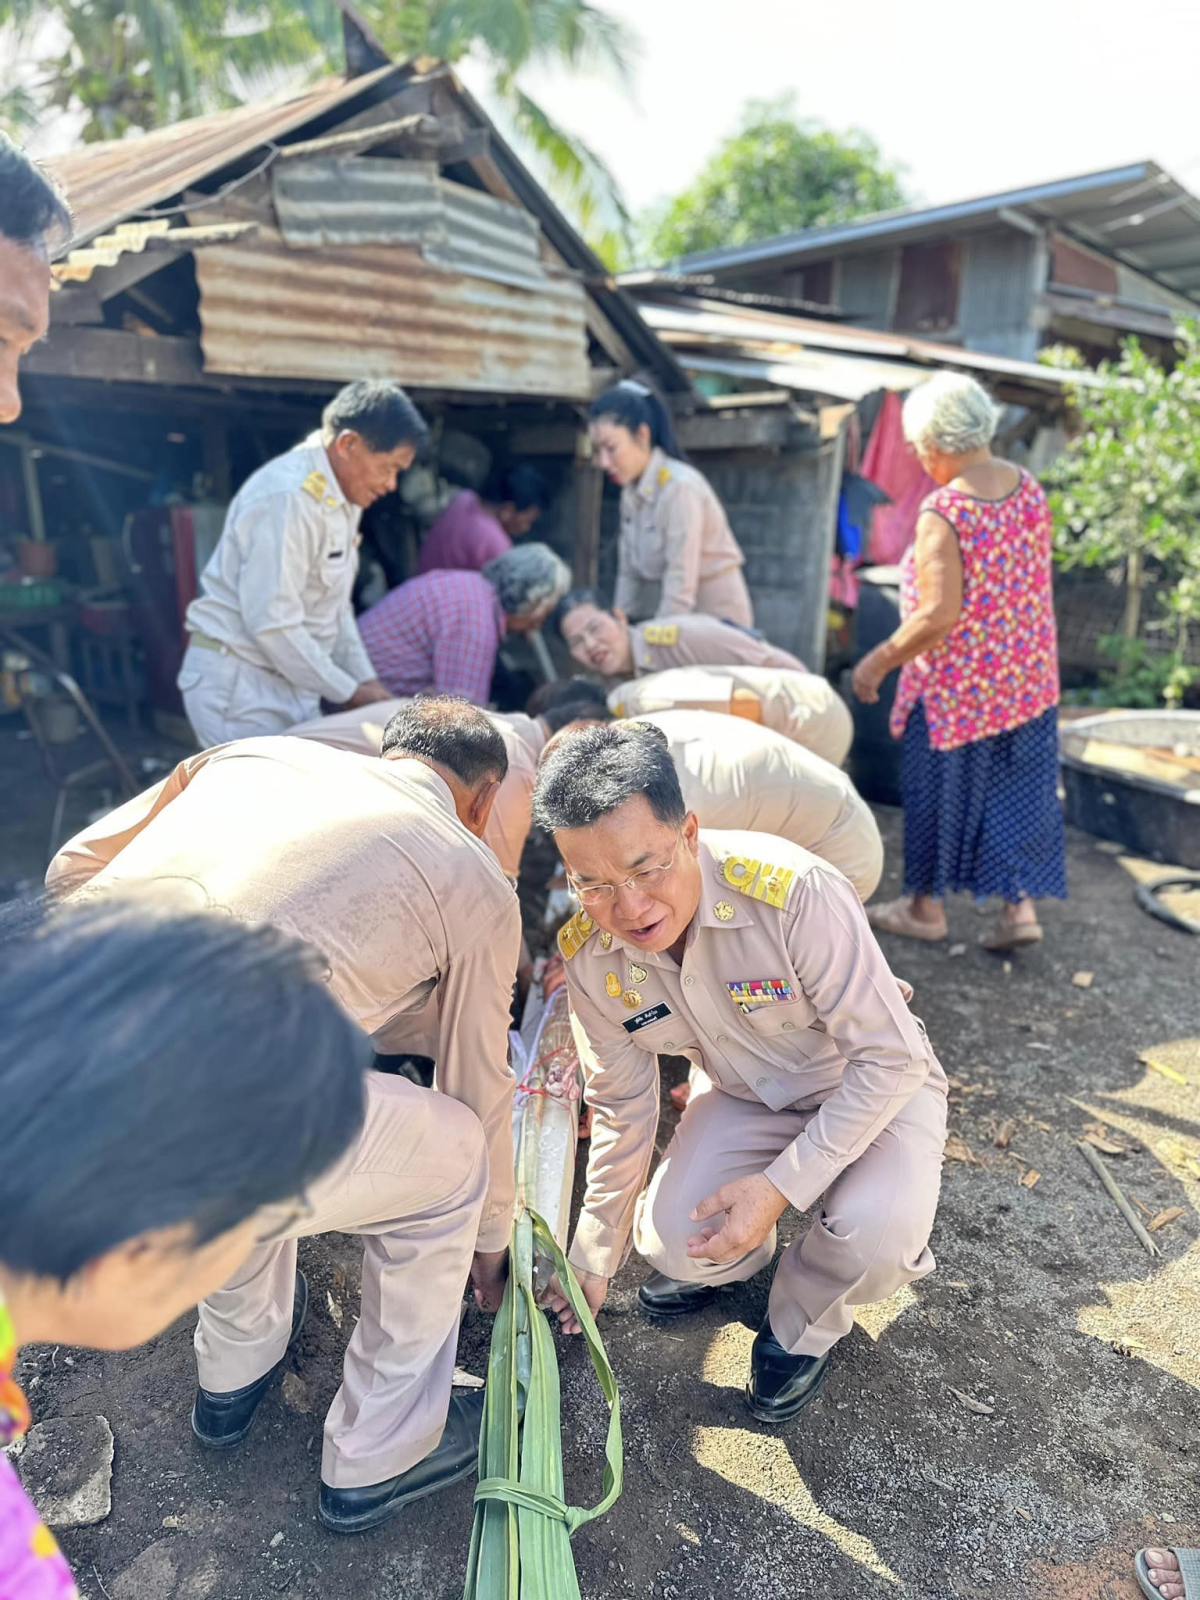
pixel 440 631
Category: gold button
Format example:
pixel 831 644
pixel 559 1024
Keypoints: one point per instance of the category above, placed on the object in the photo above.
pixel 689 981
pixel 789 1027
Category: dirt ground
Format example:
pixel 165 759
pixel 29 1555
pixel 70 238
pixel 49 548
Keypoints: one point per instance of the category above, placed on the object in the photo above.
pixel 1044 1309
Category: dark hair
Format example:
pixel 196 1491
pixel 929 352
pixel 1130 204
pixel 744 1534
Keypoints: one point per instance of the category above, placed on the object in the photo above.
pixel 33 211
pixel 207 1071
pixel 598 769
pixel 522 485
pixel 452 732
pixel 379 411
pixel 632 403
pixel 567 700
pixel 573 599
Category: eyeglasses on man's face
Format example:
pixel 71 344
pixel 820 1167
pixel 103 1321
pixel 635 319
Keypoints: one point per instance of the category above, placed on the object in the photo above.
pixel 645 881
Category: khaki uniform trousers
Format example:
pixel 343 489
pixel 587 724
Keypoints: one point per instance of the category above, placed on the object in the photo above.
pixel 413 1185
pixel 227 698
pixel 870 1238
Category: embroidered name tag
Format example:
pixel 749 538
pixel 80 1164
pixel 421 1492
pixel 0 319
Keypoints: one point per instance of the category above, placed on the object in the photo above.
pixel 645 1018
pixel 759 991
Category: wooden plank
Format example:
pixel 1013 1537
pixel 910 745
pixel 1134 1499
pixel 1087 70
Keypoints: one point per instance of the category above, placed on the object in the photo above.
pixel 702 432
pixel 418 128
pixel 749 430
pixel 589 498
pixel 113 356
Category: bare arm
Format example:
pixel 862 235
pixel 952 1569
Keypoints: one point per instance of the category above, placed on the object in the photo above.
pixel 939 587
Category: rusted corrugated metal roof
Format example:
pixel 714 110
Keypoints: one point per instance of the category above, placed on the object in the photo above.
pixel 368 311
pixel 344 200
pixel 105 183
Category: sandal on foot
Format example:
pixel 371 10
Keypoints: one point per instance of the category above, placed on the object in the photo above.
pixel 894 916
pixel 1189 1572
pixel 1011 935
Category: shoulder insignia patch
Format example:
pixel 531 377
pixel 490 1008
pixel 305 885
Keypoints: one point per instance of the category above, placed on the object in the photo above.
pixel 661 633
pixel 664 476
pixel 573 935
pixel 314 485
pixel 758 879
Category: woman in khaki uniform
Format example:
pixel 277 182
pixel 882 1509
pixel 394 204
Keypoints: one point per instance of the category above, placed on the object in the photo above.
pixel 677 552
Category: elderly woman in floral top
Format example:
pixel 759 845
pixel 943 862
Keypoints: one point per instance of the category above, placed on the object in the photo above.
pixel 978 692
pixel 148 1096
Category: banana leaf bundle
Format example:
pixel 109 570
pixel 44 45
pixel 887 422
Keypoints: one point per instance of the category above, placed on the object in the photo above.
pixel 521 1538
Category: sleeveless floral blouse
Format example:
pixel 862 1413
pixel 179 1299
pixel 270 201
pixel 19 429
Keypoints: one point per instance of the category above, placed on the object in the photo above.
pixel 998 666
pixel 31 1567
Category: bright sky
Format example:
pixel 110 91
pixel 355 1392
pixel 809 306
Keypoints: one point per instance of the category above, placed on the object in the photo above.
pixel 969 98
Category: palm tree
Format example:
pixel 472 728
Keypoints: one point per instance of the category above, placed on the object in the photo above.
pixel 127 64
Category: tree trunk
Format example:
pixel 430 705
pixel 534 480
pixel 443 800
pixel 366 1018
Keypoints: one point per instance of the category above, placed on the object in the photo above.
pixel 1134 571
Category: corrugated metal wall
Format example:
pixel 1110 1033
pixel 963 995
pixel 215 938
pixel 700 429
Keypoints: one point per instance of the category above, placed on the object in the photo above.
pixel 367 311
pixel 377 201
pixel 783 509
pixel 996 296
pixel 865 286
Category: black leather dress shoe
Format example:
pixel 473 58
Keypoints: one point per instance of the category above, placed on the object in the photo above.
pixel 221 1421
pixel 668 1297
pixel 780 1385
pixel 456 1457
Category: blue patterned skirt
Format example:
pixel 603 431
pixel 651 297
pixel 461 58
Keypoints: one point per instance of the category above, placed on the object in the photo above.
pixel 985 817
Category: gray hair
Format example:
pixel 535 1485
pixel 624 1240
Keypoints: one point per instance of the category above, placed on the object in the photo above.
pixel 526 577
pixel 596 771
pixel 952 413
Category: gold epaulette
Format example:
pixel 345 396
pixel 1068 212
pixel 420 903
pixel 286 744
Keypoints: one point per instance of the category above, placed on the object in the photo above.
pixel 758 879
pixel 661 633
pixel 314 485
pixel 573 935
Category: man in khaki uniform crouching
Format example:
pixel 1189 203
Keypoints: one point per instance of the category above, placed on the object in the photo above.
pixel 736 775
pixel 801 706
pixel 379 864
pixel 753 959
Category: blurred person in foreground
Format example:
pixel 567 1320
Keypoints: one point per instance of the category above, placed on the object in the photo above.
pixel 134 1179
pixel 34 221
pixel 978 695
pixel 379 863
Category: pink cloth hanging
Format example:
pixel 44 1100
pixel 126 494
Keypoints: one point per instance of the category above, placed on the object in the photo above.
pixel 889 462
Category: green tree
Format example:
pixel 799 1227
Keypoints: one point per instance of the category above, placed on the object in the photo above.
pixel 1126 495
pixel 129 64
pixel 776 174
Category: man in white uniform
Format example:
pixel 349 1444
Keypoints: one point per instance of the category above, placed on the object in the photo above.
pixel 272 629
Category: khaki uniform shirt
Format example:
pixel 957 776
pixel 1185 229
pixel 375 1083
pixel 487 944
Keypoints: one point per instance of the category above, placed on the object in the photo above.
pixel 277 588
pixel 736 775
pixel 839 1035
pixel 674 533
pixel 701 641
pixel 800 705
pixel 524 738
pixel 366 860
